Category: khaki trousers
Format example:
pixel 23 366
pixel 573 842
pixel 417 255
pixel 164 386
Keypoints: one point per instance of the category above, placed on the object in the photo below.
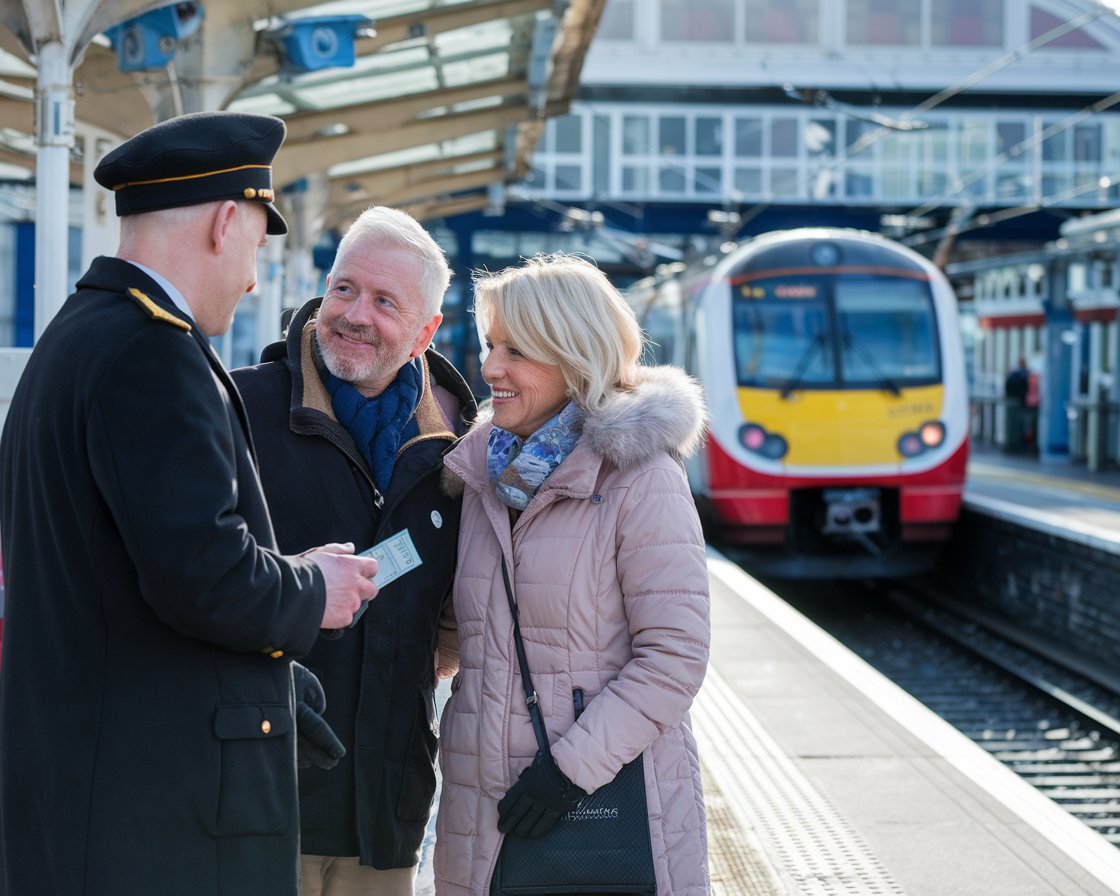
pixel 343 876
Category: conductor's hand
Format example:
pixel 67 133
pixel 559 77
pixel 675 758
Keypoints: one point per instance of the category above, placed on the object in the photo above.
pixel 349 581
pixel 316 743
pixel 537 800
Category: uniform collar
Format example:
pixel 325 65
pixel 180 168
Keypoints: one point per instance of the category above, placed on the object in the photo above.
pixel 167 286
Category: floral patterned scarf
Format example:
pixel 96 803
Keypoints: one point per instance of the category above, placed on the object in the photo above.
pixel 519 467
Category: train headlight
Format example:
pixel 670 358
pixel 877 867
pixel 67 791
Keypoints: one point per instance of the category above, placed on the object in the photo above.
pixel 910 445
pixel 758 441
pixel 932 433
pixel 774 447
pixel 752 436
pixel 825 254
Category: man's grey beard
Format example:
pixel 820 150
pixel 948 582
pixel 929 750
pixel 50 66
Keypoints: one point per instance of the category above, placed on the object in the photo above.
pixel 348 372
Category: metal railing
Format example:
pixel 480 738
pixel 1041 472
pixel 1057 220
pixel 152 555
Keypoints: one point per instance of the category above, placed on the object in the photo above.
pixel 1094 428
pixel 1092 432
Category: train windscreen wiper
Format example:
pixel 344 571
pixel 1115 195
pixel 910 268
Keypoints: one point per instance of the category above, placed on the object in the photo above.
pixel 860 349
pixel 802 365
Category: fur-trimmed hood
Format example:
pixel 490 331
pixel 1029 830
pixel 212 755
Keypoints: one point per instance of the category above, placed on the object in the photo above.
pixel 664 414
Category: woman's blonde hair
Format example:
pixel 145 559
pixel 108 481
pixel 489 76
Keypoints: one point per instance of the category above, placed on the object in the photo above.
pixel 561 309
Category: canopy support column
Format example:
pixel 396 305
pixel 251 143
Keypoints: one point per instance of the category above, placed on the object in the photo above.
pixel 54 131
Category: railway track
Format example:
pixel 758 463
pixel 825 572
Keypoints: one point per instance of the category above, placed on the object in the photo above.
pixel 1059 729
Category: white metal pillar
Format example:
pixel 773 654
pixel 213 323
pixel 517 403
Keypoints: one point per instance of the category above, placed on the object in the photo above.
pixel 270 291
pixel 54 133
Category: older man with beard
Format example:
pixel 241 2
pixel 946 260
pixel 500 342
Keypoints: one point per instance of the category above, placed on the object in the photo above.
pixel 351 416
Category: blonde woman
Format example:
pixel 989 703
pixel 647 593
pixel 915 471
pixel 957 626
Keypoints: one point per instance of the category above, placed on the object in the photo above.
pixel 573 477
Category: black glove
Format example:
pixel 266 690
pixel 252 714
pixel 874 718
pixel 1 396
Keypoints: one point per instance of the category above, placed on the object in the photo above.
pixel 537 800
pixel 316 743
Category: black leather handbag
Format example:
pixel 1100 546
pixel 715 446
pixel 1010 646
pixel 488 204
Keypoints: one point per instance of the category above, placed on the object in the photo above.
pixel 600 847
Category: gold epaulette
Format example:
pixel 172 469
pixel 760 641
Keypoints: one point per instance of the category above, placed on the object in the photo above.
pixel 155 312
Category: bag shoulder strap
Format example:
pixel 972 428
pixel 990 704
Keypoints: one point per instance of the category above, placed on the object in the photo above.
pixel 532 701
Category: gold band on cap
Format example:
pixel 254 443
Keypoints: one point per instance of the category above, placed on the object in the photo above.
pixel 167 180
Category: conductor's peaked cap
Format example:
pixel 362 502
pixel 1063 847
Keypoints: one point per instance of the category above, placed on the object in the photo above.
pixel 196 158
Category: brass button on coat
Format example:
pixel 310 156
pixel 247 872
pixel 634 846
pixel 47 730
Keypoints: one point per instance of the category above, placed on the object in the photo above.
pixel 266 726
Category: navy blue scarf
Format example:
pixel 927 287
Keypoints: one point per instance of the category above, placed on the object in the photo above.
pixel 380 424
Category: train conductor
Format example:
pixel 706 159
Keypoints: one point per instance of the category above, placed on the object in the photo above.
pixel 147 733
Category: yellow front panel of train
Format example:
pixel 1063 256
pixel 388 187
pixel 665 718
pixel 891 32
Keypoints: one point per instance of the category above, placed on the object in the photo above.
pixel 827 428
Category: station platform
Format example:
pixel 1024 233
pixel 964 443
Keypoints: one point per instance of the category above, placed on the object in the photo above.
pixel 1048 494
pixel 823 777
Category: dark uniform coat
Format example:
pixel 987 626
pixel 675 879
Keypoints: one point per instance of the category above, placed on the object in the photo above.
pixel 146 717
pixel 378 676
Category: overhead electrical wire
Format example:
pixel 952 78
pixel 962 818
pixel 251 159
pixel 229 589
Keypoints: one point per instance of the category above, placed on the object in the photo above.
pixel 903 122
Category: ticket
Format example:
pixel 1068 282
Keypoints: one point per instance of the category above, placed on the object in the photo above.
pixel 395 556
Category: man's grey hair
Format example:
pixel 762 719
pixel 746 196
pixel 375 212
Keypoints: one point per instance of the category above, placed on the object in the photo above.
pixel 384 226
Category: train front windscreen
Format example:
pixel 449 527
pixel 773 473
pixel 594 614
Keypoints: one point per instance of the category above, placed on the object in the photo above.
pixel 835 332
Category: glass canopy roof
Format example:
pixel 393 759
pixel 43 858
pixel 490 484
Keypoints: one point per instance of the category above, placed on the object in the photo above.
pixel 444 98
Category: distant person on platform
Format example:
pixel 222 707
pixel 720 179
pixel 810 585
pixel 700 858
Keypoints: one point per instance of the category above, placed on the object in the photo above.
pixel 147 712
pixel 1018 382
pixel 1015 389
pixel 351 416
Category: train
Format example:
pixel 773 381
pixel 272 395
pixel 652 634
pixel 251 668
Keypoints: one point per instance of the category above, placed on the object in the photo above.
pixel 833 366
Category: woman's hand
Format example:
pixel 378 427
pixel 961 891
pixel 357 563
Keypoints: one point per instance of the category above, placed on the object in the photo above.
pixel 537 800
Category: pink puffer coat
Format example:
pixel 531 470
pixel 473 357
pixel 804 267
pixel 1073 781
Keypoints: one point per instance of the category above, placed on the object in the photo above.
pixel 608 569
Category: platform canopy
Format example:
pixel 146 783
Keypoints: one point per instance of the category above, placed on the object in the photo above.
pixel 445 99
